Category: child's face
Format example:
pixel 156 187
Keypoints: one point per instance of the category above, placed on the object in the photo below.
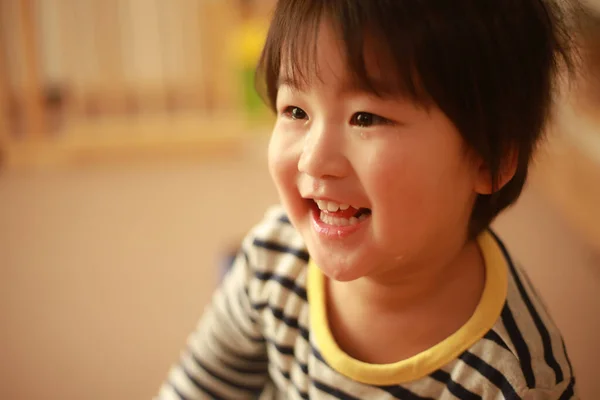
pixel 407 165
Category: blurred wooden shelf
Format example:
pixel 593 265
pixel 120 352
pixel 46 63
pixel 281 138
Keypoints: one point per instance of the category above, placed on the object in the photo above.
pixel 131 139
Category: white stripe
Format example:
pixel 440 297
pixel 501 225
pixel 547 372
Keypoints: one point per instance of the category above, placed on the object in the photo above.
pixel 324 374
pixel 248 380
pixel 528 330
pixel 184 385
pixel 205 344
pixel 276 375
pixel 298 380
pixel 544 374
pixel 500 329
pixel 474 381
pixel 167 392
pixel 553 332
pixel 210 382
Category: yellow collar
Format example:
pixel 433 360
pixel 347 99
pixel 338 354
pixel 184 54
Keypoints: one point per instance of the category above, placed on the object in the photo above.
pixel 483 319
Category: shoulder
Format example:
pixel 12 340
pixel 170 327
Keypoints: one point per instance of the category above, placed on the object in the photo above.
pixel 273 241
pixel 525 345
pixel 276 254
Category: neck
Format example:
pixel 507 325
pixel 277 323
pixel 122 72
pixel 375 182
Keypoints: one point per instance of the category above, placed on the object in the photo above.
pixel 410 287
pixel 424 304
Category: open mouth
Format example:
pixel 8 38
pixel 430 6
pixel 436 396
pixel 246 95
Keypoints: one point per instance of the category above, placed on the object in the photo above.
pixel 335 214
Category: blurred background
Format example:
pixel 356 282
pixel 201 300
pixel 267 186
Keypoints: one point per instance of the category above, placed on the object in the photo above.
pixel 133 159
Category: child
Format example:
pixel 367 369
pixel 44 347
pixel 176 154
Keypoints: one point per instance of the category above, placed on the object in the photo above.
pixel 403 128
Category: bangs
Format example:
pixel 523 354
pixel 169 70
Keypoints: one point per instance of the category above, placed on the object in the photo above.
pixel 362 29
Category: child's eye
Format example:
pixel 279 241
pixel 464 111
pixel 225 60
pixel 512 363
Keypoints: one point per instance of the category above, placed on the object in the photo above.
pixel 365 119
pixel 295 112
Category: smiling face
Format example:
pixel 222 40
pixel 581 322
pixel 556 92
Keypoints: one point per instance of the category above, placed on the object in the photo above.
pixel 375 185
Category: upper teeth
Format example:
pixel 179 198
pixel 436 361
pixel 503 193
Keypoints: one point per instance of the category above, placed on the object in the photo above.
pixel 331 206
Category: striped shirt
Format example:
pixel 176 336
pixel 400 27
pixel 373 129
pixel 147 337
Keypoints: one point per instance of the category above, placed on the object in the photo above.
pixel 265 335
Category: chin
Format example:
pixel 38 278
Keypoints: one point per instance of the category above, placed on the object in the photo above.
pixel 342 276
pixel 338 268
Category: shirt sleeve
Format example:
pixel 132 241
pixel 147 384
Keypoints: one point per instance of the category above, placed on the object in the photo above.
pixel 563 391
pixel 225 357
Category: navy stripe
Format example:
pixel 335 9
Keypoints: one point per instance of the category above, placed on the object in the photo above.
pixel 569 391
pixel 260 369
pixel 280 248
pixel 285 350
pixel 520 346
pixel 200 386
pixel 283 281
pixel 567 357
pixel 243 306
pixel 491 373
pixel 303 367
pixel 288 321
pixel 247 335
pixel 177 392
pixel 494 337
pixel 455 388
pixel 332 391
pixel 546 342
pixel 396 391
pixel 211 372
pixel 318 355
pixel 236 354
pixel 401 393
pixel 287 376
pixel 260 306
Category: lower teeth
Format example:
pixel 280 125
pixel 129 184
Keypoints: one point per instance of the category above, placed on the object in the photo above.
pixel 330 220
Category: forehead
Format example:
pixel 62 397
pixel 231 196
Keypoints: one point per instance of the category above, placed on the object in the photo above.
pixel 329 60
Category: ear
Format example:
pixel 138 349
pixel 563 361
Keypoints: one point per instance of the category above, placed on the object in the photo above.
pixel 508 168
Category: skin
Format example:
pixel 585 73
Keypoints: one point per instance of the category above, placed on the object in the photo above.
pixel 408 269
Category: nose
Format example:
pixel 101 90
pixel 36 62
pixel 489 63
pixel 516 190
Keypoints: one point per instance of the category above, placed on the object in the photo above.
pixel 323 155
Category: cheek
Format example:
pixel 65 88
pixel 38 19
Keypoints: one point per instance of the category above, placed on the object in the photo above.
pixel 392 181
pixel 274 157
pixel 394 177
pixel 283 162
pixel 417 189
